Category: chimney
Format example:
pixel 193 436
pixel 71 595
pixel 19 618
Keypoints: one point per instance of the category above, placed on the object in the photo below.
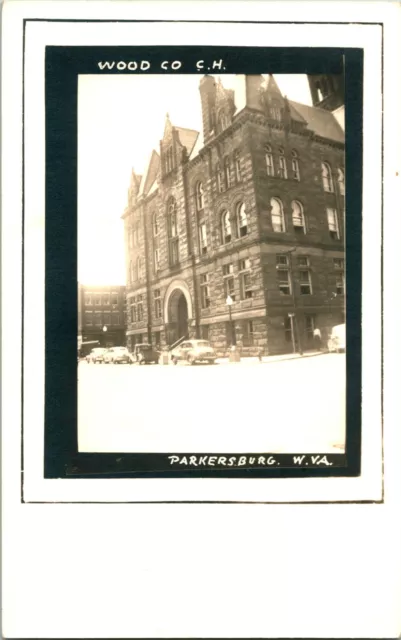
pixel 207 88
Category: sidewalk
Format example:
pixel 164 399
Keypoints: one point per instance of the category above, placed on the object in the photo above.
pixel 269 359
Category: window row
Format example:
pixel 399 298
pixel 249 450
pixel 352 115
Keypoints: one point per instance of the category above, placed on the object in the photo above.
pixel 327 179
pixel 228 173
pixel 285 275
pixel 137 269
pixel 98 319
pixel 99 299
pixel 276 165
pixel 298 218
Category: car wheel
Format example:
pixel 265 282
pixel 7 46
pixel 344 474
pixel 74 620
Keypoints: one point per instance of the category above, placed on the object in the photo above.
pixel 191 360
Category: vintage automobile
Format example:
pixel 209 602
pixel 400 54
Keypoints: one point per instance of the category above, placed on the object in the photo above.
pixel 192 351
pixel 117 355
pixel 145 354
pixel 96 355
pixel 336 341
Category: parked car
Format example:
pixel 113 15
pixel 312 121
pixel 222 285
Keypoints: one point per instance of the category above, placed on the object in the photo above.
pixel 144 354
pixel 96 355
pixel 336 340
pixel 117 355
pixel 193 351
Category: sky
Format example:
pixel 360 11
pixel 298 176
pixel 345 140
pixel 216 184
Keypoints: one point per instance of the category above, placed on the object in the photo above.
pixel 120 120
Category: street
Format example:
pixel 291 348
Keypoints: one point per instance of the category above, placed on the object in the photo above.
pixel 285 406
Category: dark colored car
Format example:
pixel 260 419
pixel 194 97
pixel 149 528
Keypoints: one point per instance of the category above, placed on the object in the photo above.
pixel 145 354
pixel 193 351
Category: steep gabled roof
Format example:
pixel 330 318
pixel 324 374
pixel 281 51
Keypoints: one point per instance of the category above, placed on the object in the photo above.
pixel 150 174
pixel 188 138
pixel 323 123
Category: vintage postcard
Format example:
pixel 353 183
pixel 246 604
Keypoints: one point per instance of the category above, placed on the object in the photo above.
pixel 202 236
pixel 194 214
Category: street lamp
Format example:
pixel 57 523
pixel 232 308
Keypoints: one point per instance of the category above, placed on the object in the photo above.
pixel 229 302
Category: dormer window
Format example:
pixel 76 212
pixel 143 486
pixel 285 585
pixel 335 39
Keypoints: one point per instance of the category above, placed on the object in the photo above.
pixel 222 121
pixel 227 173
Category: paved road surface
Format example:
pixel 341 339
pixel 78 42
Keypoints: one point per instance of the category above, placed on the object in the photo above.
pixel 278 407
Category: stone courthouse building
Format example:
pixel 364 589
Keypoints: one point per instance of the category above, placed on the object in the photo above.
pixel 252 210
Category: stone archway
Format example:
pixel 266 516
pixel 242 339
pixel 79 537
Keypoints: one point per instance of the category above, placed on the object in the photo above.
pixel 177 311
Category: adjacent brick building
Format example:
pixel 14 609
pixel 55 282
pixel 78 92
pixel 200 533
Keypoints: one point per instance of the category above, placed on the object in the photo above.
pixel 101 315
pixel 252 209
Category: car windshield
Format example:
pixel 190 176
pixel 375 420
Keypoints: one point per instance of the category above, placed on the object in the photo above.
pixel 202 343
pixel 98 350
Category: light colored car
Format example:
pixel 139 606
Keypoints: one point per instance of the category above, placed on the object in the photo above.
pixel 117 355
pixel 96 355
pixel 193 351
pixel 336 340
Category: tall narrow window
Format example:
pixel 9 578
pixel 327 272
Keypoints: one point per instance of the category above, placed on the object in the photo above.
pixel 226 233
pixel 245 279
pixel 295 165
pixel 227 173
pixel 277 215
pixel 172 232
pixel 305 281
pixel 327 177
pixel 155 225
pixel 298 218
pixel 248 333
pixel 202 238
pixel 332 221
pixel 242 220
pixel 237 163
pixel 138 268
pixel 283 275
pixel 269 160
pixel 156 259
pixel 205 294
pixel 341 182
pixel 282 170
pixel 199 196
pixel 309 326
pixel 158 303
pixel 220 181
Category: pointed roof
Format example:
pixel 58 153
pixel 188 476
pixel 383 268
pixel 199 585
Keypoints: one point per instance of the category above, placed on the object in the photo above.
pixel 150 173
pixel 188 138
pixel 271 85
pixel 323 123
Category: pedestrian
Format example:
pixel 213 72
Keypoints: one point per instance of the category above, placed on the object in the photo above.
pixel 260 354
pixel 317 339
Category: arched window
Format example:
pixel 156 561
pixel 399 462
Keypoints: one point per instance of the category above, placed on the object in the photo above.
pixel 199 196
pixel 169 160
pixel 340 180
pixel 269 160
pixel 171 219
pixel 295 165
pixel 298 217
pixel 227 173
pixel 319 91
pixel 172 232
pixel 155 225
pixel 327 177
pixel 226 232
pixel 242 220
pixel 220 181
pixel 277 214
pixel 237 163
pixel 282 171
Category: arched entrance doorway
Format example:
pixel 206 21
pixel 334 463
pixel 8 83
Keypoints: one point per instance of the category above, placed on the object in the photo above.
pixel 177 326
pixel 177 311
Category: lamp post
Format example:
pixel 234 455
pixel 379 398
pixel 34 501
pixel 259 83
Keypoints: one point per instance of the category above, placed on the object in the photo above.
pixel 229 302
pixel 104 331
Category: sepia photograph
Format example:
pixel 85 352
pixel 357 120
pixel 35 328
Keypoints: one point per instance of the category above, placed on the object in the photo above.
pixel 211 263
